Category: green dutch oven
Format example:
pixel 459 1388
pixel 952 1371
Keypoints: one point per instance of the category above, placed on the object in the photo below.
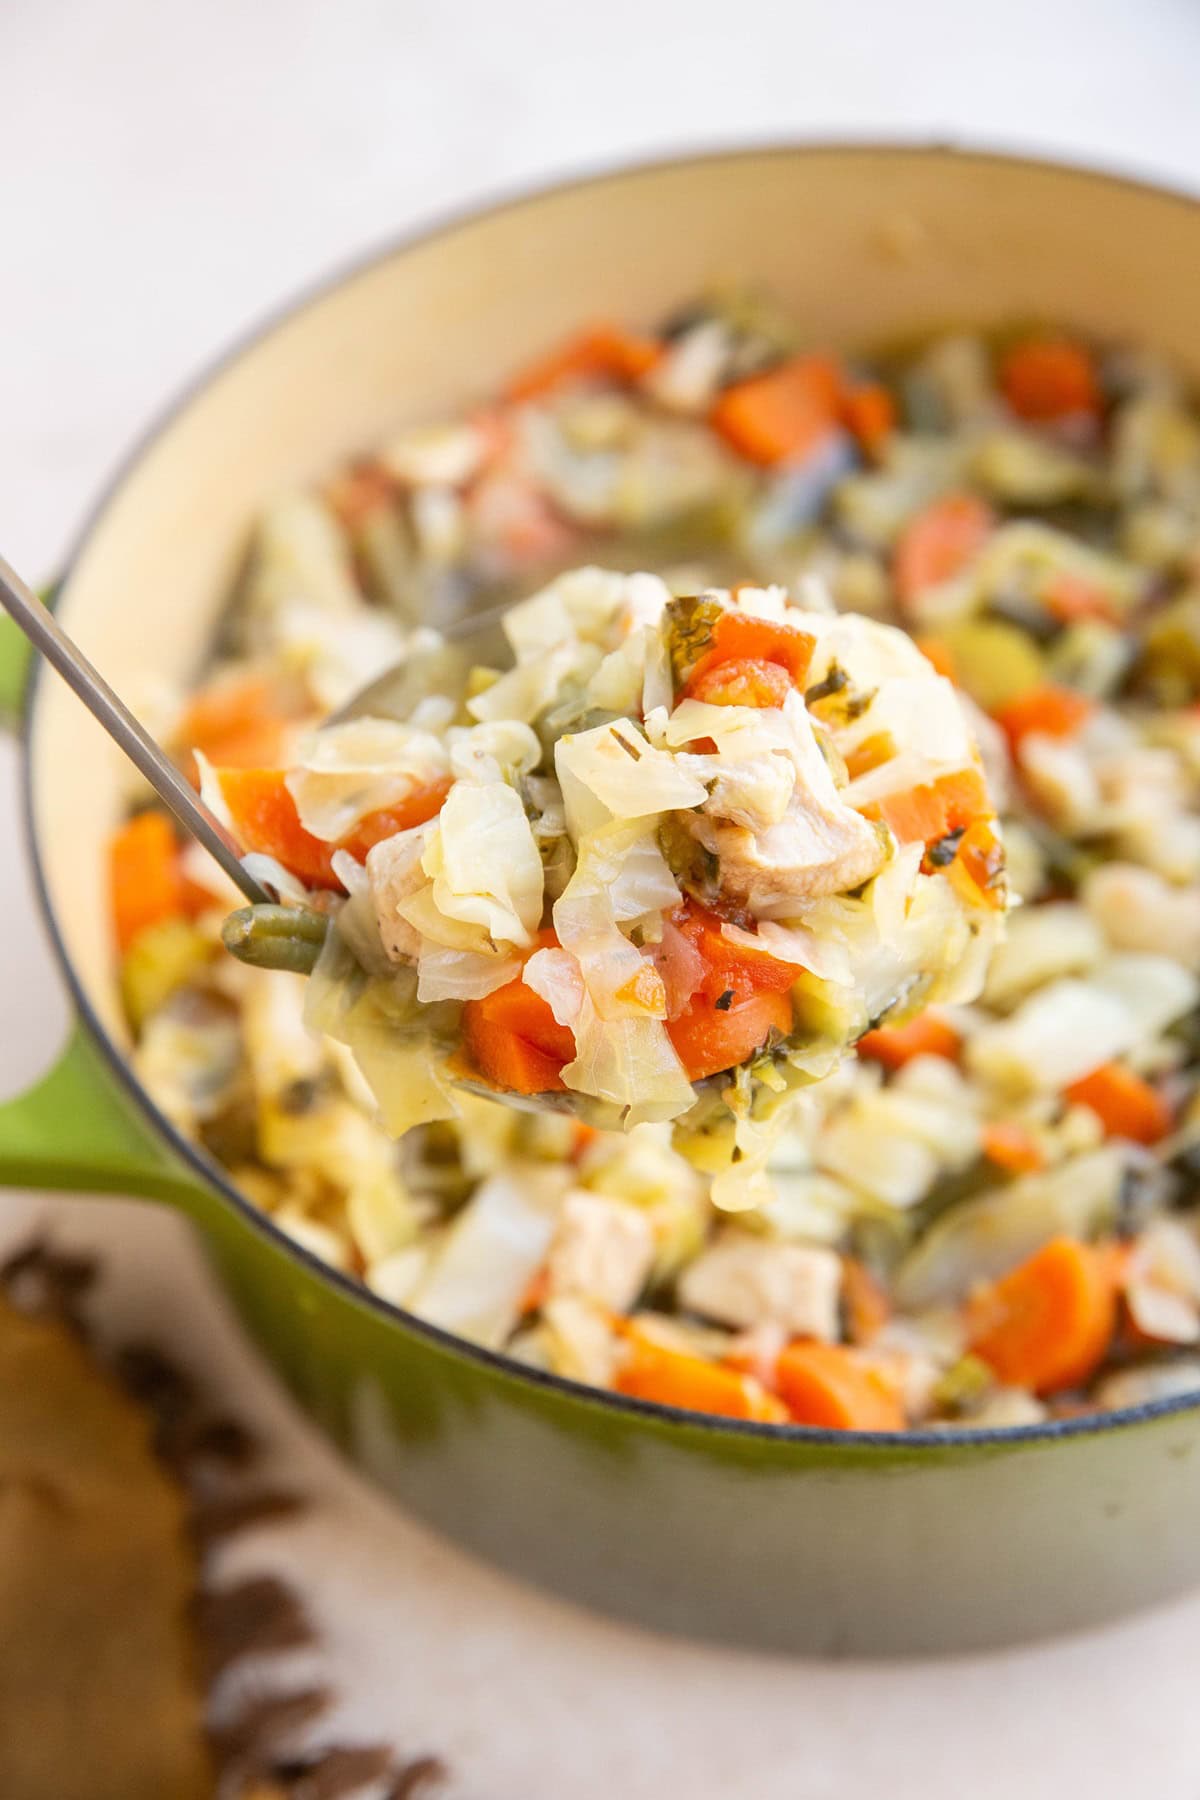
pixel 774 1536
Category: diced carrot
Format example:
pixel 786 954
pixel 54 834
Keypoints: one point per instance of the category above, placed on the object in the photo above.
pixel 145 884
pixel 1047 1323
pixel 895 1045
pixel 741 682
pixel 602 351
pixel 978 867
pixel 709 1037
pixel 740 637
pixel 241 722
pixel 869 414
pixel 672 1378
pixel 837 1387
pixel 1126 1106
pixel 784 414
pixel 422 804
pixel 196 898
pixel 515 1042
pixel 1071 597
pixel 864 1300
pixel 872 753
pixel 938 543
pixel 731 962
pixel 938 652
pixel 927 813
pixel 1011 1147
pixel 1047 378
pixel 265 819
pixel 1056 712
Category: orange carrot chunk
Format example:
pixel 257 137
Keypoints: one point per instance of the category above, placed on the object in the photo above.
pixel 1072 597
pixel 835 1386
pixel 929 812
pixel 869 414
pixel 241 722
pixel 1048 1323
pixel 515 1042
pixel 1011 1147
pixel 603 351
pixel 978 867
pixel 1126 1106
pixel 1047 378
pixel 740 637
pixel 784 414
pixel 145 883
pixel 1056 712
pixel 937 651
pixel 895 1045
pixel 938 543
pixel 712 1034
pixel 741 682
pixel 265 819
pixel 672 1378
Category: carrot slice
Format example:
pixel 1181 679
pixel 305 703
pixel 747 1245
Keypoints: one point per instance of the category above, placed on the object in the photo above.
pixel 145 883
pixel 672 1378
pixel 514 1040
pixel 731 962
pixel 740 637
pixel 265 819
pixel 241 722
pixel 784 414
pixel 895 1045
pixel 741 682
pixel 927 813
pixel 938 652
pixel 835 1386
pixel 604 350
pixel 1047 1323
pixel 978 867
pixel 709 1037
pixel 1072 597
pixel 938 543
pixel 1126 1106
pixel 1010 1146
pixel 1047 378
pixel 869 414
pixel 1056 712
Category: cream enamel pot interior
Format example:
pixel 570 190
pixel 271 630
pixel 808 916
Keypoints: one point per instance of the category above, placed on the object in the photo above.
pixel 774 1536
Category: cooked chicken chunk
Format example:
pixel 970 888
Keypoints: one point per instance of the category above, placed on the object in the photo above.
pixel 602 1250
pixel 746 1281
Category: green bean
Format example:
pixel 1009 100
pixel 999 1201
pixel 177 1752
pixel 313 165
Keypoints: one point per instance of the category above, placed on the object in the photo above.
pixel 276 937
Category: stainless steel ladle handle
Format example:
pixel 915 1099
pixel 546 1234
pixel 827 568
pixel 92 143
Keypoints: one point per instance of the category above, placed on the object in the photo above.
pixel 47 635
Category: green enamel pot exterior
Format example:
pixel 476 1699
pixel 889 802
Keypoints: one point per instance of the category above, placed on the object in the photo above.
pixel 776 1537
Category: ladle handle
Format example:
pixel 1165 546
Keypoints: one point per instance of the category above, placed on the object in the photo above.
pixel 47 635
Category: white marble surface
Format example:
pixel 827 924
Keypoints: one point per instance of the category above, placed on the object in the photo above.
pixel 170 172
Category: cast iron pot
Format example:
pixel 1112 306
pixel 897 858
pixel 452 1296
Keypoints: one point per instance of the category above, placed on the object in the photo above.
pixel 767 1535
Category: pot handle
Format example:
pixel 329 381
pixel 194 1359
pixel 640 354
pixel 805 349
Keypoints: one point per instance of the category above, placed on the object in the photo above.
pixel 76 1130
pixel 16 653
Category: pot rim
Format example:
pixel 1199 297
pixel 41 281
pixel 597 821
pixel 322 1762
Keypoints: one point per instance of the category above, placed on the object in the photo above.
pixel 443 224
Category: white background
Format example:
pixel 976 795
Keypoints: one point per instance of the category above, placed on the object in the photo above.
pixel 170 172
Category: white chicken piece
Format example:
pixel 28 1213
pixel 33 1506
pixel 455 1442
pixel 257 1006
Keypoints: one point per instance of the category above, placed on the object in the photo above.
pixel 1137 910
pixel 747 1281
pixel 819 847
pixel 602 1250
